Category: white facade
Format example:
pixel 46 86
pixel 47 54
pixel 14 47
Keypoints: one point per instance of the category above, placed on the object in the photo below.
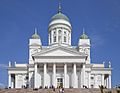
pixel 59 63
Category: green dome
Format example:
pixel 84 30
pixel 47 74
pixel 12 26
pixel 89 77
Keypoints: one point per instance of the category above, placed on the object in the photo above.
pixel 35 35
pixel 83 36
pixel 60 16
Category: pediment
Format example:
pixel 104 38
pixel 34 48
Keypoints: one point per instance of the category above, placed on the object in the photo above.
pixel 58 51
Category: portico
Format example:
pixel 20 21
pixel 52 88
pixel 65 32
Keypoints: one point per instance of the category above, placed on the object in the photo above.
pixel 58 75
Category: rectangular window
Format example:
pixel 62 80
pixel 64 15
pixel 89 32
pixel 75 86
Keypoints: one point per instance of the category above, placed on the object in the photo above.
pixel 54 38
pixel 64 38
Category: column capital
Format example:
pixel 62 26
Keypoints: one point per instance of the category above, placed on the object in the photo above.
pixel 54 63
pixel 83 66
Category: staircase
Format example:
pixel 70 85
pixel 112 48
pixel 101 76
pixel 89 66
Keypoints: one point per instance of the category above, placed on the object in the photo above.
pixel 56 91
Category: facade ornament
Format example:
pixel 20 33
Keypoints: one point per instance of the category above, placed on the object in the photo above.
pixel 59 7
pixel 109 64
pixel 10 64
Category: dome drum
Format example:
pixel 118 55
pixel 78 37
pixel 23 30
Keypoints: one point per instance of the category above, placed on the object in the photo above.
pixel 61 22
pixel 60 26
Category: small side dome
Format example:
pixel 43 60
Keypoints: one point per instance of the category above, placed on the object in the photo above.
pixel 83 36
pixel 35 35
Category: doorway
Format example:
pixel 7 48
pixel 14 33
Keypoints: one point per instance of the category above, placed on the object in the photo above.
pixel 59 82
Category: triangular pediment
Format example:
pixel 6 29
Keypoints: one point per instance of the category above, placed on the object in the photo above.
pixel 59 51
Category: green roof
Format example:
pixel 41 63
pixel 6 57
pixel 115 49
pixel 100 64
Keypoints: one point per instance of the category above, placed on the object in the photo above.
pixel 60 15
pixel 83 36
pixel 35 35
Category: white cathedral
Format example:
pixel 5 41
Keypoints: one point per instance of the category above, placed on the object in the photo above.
pixel 59 64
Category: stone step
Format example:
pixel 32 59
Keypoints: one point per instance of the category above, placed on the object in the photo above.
pixel 74 90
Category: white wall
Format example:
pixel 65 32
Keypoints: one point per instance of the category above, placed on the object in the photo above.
pixel 20 80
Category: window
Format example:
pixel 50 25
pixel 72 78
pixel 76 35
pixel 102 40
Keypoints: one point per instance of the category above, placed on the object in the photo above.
pixel 59 31
pixel 92 77
pixel 64 38
pixel 50 39
pixel 64 32
pixel 54 32
pixel 54 39
pixel 92 86
pixel 54 36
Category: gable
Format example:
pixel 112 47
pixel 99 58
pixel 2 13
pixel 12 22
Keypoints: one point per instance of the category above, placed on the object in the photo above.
pixel 58 51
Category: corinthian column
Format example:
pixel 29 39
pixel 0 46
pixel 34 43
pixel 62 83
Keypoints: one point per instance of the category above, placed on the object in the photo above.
pixel 74 76
pixel 83 72
pixel 35 76
pixel 54 75
pixel 109 81
pixel 65 75
pixel 9 80
pixel 45 72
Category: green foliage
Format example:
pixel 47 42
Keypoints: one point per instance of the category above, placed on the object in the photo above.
pixel 118 91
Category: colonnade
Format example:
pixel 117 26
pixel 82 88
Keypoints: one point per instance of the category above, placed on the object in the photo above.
pixel 54 81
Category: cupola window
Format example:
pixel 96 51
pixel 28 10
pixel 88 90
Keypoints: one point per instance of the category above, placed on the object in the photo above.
pixel 54 39
pixel 54 32
pixel 59 32
pixel 64 32
pixel 64 38
pixel 54 36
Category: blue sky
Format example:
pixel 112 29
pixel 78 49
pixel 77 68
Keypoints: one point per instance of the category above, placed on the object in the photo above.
pixel 100 18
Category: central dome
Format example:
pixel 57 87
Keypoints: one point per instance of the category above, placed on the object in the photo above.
pixel 60 16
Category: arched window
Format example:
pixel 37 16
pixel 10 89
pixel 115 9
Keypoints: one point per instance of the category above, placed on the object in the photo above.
pixel 65 36
pixel 54 39
pixel 54 32
pixel 54 36
pixel 64 32
pixel 59 31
